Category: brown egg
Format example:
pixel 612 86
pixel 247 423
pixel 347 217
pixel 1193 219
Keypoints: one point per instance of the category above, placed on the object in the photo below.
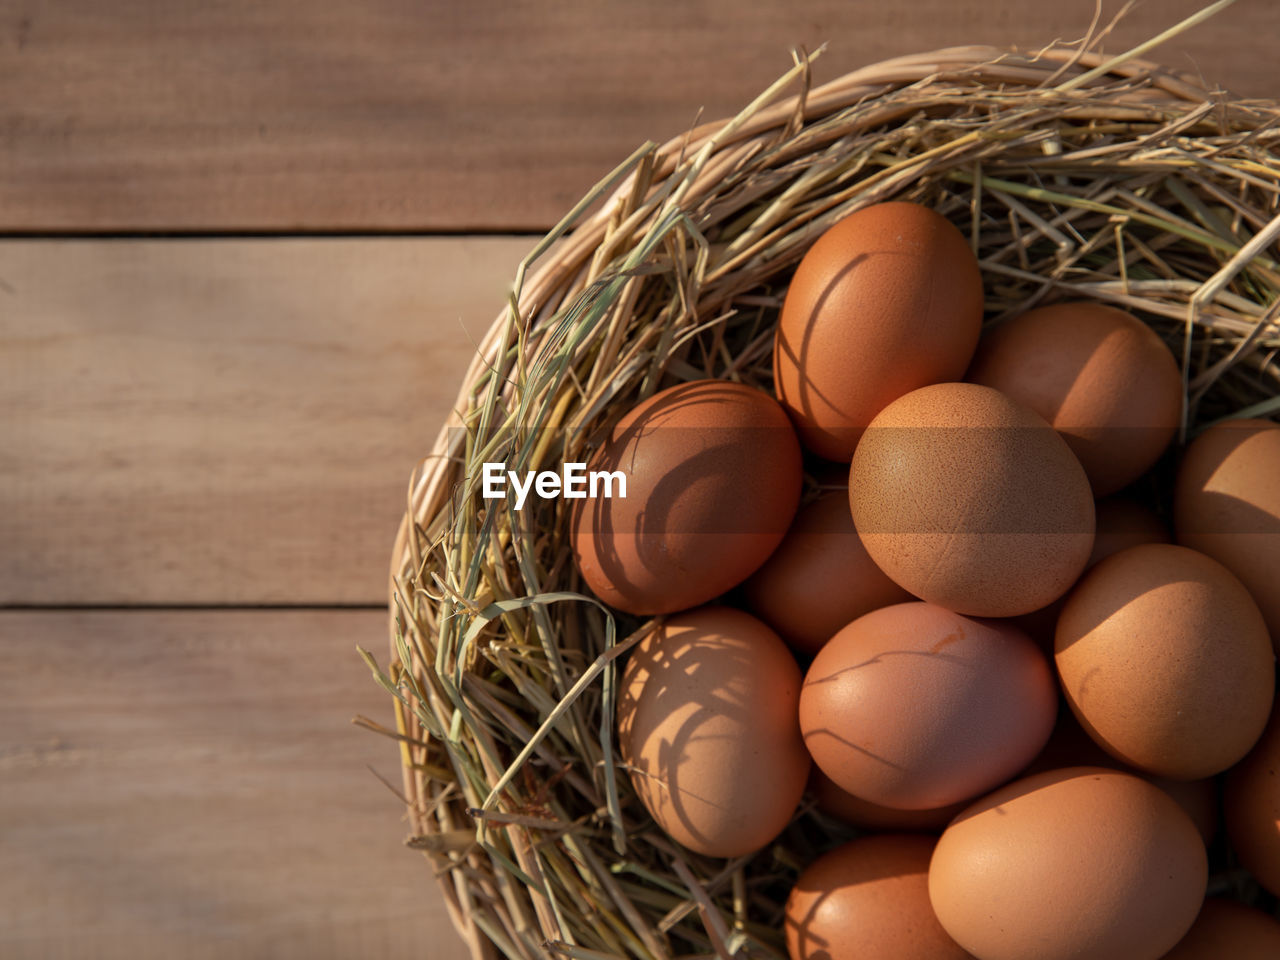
pixel 707 725
pixel 1165 660
pixel 868 899
pixel 913 706
pixel 1251 802
pixel 820 577
pixel 969 500
pixel 713 480
pixel 1102 377
pixel 1121 521
pixel 887 300
pixel 1228 930
pixel 1066 865
pixel 857 812
pixel 1227 504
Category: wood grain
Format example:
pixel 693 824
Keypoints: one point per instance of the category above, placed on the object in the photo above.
pixel 225 422
pixel 188 785
pixel 291 115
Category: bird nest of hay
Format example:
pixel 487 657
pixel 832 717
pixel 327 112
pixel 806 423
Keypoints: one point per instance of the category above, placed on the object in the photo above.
pixel 1073 175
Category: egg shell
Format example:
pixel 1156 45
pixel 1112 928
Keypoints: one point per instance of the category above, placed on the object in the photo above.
pixel 1103 378
pixel 1228 930
pixel 914 706
pixel 1120 521
pixel 707 725
pixel 1251 802
pixel 868 898
pixel 820 577
pixel 1165 660
pixel 857 812
pixel 970 500
pixel 1227 504
pixel 885 301
pixel 1067 865
pixel 713 481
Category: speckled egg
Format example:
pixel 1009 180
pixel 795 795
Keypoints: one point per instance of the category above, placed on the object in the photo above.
pixel 713 480
pixel 707 727
pixel 970 500
pixel 887 300
pixel 1165 660
pixel 868 898
pixel 1068 865
pixel 1099 375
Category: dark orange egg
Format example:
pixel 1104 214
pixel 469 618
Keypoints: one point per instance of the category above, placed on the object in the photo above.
pixel 820 578
pixel 1227 504
pixel 1251 802
pixel 1228 930
pixel 1165 660
pixel 868 899
pixel 1100 376
pixel 707 727
pixel 887 300
pixel 713 479
pixel 914 706
pixel 1070 864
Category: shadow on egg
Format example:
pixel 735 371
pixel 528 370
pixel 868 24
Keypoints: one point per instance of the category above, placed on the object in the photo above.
pixel 1084 613
pixel 886 300
pixel 706 721
pixel 679 685
pixel 814 736
pixel 916 707
pixel 1223 514
pixel 713 480
pixel 867 898
pixel 799 355
pixel 1104 379
pixel 816 891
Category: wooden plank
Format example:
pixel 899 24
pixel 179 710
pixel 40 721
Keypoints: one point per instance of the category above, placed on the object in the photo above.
pixel 289 115
pixel 188 785
pixel 225 422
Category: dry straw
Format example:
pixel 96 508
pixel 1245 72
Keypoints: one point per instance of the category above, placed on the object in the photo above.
pixel 1074 175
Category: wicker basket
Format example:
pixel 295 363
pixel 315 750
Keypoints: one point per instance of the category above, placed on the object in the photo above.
pixel 1074 176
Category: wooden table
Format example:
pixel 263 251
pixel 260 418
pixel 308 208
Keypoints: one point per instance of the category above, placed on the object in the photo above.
pixel 246 249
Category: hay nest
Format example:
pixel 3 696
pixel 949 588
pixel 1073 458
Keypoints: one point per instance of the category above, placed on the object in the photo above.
pixel 1073 175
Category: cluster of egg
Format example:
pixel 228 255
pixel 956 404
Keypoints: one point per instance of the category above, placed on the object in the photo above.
pixel 979 567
